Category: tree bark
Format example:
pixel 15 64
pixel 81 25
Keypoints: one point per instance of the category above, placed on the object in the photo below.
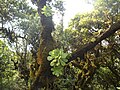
pixel 44 76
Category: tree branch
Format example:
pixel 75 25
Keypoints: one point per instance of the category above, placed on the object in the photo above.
pixel 80 53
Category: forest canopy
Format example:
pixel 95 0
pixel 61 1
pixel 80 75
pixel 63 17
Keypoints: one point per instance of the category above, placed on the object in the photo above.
pixel 38 54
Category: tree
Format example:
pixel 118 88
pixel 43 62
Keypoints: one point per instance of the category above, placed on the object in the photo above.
pixel 9 77
pixel 47 43
pixel 83 56
pixel 20 30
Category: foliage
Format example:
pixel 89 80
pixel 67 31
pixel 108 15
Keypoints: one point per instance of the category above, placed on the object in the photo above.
pixel 58 60
pixel 46 10
pixel 21 31
pixel 85 28
pixel 9 77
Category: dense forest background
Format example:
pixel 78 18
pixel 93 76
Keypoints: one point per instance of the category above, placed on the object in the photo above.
pixel 38 54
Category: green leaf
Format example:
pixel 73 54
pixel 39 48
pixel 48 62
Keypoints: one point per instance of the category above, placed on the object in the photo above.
pixel 64 55
pixel 65 60
pixel 59 57
pixel 51 52
pixel 62 63
pixel 57 70
pixel 49 58
pixel 47 11
pixel 54 53
pixel 53 62
pixel 58 63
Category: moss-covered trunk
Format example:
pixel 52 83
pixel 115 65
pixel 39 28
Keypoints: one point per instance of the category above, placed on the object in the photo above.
pixel 43 77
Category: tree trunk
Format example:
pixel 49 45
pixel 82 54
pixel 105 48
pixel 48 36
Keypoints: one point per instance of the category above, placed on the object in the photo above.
pixel 44 77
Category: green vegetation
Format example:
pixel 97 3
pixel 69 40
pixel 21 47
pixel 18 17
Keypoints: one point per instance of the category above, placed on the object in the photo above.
pixel 58 60
pixel 36 54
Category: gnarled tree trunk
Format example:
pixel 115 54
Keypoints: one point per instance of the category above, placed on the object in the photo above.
pixel 44 77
